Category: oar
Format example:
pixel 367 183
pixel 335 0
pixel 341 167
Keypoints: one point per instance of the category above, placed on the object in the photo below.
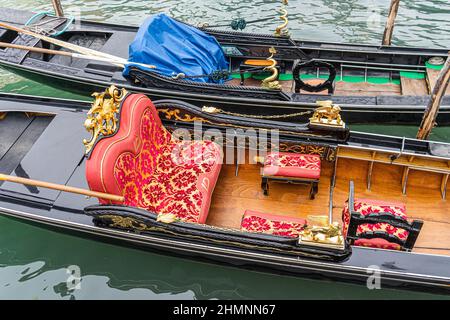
pixel 61 187
pixel 74 47
pixel 57 52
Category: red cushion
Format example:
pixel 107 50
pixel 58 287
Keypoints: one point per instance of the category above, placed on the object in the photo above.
pixel 294 165
pixel 369 206
pixel 152 171
pixel 377 243
pixel 254 221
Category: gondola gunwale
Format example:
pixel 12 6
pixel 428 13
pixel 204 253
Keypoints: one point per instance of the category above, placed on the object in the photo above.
pixel 48 105
pixel 297 106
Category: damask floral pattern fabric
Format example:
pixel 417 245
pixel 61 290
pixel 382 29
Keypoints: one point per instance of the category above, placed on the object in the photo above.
pixel 271 224
pixel 166 176
pixel 366 207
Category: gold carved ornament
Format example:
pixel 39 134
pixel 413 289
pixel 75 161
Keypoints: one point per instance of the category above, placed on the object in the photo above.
pixel 327 114
pixel 281 30
pixel 328 235
pixel 271 81
pixel 102 117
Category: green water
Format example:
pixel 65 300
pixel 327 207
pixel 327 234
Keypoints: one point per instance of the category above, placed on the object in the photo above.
pixel 34 262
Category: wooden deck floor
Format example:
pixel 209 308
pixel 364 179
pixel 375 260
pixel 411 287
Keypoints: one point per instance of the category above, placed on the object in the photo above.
pixel 234 194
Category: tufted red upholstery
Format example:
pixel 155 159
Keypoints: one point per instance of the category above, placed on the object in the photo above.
pixel 150 169
pixel 367 206
pixel 258 222
pixel 295 165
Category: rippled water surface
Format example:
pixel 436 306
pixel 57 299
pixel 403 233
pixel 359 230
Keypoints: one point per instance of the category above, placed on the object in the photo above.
pixel 35 263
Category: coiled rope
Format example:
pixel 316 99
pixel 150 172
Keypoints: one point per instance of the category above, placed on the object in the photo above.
pixel 37 27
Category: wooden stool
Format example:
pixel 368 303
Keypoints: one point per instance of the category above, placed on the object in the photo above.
pixel 292 168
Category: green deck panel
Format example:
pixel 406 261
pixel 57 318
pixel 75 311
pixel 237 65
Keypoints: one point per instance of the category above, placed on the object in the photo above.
pixel 353 79
pixel 412 75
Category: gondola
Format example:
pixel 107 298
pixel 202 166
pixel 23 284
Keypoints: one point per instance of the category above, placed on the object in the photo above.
pixel 378 84
pixel 312 199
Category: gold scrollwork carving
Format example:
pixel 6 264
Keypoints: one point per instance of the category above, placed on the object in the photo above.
pixel 305 149
pixel 175 114
pixel 102 117
pixel 271 81
pixel 282 29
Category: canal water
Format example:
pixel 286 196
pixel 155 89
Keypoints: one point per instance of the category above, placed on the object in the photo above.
pixel 40 264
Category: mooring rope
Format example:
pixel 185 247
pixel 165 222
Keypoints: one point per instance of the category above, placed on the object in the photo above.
pixel 216 75
pixel 36 27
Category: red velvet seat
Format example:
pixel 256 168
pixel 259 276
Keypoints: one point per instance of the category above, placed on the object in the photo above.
pixel 150 169
pixel 296 165
pixel 368 206
pixel 257 222
pixel 292 168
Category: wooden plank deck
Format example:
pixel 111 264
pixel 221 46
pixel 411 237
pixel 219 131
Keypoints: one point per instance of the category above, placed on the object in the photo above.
pixel 366 89
pixel 342 88
pixel 413 87
pixel 234 194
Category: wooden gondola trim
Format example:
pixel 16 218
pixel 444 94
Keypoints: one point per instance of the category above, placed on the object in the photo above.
pixel 64 188
pixel 418 163
pixel 405 179
pixel 444 185
pixel 370 170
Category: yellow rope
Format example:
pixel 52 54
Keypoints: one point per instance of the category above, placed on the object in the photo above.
pixel 278 116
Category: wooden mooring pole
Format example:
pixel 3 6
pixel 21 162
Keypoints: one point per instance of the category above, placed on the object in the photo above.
pixel 431 112
pixel 58 8
pixel 389 30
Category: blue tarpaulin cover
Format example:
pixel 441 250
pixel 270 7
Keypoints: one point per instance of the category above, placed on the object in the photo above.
pixel 174 47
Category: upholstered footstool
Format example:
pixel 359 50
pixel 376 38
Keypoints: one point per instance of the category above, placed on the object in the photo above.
pixel 291 168
pixel 257 222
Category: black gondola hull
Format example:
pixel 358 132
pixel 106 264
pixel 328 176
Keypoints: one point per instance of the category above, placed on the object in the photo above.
pixel 358 269
pixel 357 110
pixel 60 148
pixel 86 76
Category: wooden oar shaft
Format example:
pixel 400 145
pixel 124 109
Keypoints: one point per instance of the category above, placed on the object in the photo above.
pixel 58 52
pixel 35 49
pixel 61 187
pixel 64 44
pixel 89 53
